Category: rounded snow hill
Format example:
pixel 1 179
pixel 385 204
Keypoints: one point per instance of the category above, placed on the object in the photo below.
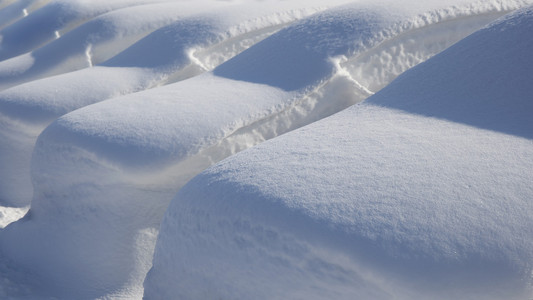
pixel 91 43
pixel 205 35
pixel 30 24
pixel 21 119
pixel 104 174
pixel 421 192
pixel 13 10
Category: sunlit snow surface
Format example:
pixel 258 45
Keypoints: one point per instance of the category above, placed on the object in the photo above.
pixel 421 192
pixel 108 108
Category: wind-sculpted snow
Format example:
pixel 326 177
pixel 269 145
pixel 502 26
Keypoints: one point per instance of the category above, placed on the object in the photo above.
pixel 12 11
pixel 166 125
pixel 37 23
pixel 103 174
pixel 93 42
pixel 499 100
pixel 177 51
pixel 423 191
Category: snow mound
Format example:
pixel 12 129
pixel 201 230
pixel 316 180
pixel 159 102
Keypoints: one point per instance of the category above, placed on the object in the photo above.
pixel 90 43
pixel 29 24
pixel 12 11
pixel 264 84
pixel 421 192
pixel 187 47
pixel 103 175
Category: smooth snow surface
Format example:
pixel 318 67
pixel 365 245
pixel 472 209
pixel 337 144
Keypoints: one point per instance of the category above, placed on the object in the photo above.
pixel 39 20
pixel 423 191
pixel 108 108
pixel 296 76
pixel 11 11
pixel 201 39
pixel 90 43
pixel 358 65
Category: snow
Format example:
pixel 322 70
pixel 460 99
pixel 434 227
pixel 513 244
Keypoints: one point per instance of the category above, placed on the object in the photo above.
pixel 423 191
pixel 175 54
pixel 12 11
pixel 11 214
pixel 88 44
pixel 109 108
pixel 42 18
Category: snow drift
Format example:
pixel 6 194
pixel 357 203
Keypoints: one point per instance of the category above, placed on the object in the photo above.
pixel 335 72
pixel 90 43
pixel 29 24
pixel 188 46
pixel 105 173
pixel 11 11
pixel 75 50
pixel 423 191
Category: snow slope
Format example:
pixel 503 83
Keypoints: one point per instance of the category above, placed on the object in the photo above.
pixel 423 191
pixel 279 79
pixel 92 42
pixel 104 174
pixel 203 37
pixel 12 11
pixel 32 23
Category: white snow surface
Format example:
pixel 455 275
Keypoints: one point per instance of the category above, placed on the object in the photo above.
pixel 28 24
pixel 12 11
pixel 91 43
pixel 423 191
pixel 199 40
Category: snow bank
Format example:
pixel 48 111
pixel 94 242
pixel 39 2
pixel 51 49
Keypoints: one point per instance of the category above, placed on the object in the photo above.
pixel 104 174
pixel 33 23
pixel 27 108
pixel 92 42
pixel 176 54
pixel 421 192
pixel 12 11
pixel 197 41
pixel 286 75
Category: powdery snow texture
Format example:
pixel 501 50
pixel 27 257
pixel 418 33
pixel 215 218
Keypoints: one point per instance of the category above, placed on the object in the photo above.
pixel 338 209
pixel 421 192
pixel 201 38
